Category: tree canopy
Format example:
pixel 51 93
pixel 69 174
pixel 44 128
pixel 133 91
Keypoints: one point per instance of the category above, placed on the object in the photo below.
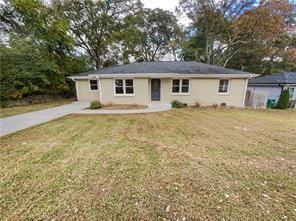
pixel 153 35
pixel 97 26
pixel 235 34
pixel 43 42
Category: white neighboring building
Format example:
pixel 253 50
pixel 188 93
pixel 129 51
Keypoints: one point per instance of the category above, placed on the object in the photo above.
pixel 273 85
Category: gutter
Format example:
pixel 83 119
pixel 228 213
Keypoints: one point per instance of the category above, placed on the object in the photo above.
pixel 269 84
pixel 173 75
pixel 79 77
pixel 245 91
pixel 100 89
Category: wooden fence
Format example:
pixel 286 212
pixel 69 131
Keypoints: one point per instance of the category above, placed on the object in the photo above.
pixel 256 99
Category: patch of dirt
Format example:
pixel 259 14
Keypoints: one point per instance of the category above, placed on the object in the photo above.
pixel 123 107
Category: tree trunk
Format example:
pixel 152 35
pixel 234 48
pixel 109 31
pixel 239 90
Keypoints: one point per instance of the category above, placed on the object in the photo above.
pixel 209 45
pixel 209 49
pixel 98 63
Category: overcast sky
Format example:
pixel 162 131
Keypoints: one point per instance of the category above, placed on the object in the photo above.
pixel 166 5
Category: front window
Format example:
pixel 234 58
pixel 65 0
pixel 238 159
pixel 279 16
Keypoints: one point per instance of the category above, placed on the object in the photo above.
pixel 124 86
pixel 291 92
pixel 119 89
pixel 129 86
pixel 223 86
pixel 93 85
pixel 180 86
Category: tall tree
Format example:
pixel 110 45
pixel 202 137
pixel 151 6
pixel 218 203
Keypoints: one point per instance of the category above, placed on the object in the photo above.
pixel 38 21
pixel 38 54
pixel 153 34
pixel 27 69
pixel 193 47
pixel 270 44
pixel 212 22
pixel 97 25
pixel 229 29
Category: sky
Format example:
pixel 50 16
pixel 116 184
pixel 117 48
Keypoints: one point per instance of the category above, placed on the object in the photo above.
pixel 169 5
pixel 164 4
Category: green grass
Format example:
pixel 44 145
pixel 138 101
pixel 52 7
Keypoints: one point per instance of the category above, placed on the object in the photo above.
pixel 187 164
pixel 10 111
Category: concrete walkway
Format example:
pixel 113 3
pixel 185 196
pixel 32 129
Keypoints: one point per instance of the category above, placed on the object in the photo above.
pixel 149 109
pixel 18 122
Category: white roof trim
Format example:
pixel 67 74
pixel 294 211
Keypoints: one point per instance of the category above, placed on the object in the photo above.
pixel 270 84
pixel 82 77
pixel 265 84
pixel 173 75
pixel 162 75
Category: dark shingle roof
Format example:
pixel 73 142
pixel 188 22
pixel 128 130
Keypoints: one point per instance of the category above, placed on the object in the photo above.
pixel 279 78
pixel 181 67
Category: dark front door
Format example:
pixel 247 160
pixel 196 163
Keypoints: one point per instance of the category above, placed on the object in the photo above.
pixel 155 89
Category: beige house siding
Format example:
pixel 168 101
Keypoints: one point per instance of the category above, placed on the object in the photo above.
pixel 204 91
pixel 141 92
pixel 84 93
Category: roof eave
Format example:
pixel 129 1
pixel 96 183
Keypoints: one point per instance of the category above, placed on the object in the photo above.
pixel 172 75
pixel 80 77
pixel 270 84
pixel 264 84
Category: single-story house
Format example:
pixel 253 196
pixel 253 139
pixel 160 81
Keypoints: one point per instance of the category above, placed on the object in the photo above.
pixel 162 82
pixel 273 85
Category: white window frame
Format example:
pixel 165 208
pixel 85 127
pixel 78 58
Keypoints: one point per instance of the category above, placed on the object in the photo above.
pixel 228 87
pixel 90 84
pixel 180 86
pixel 124 87
pixel 294 93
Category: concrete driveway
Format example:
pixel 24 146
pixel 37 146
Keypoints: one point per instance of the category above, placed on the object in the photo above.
pixel 18 122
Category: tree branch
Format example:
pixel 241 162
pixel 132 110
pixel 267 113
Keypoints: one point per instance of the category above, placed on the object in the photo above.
pixel 228 59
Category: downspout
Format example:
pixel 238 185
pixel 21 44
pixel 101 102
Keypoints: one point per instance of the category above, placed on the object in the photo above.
pixel 100 89
pixel 77 90
pixel 245 91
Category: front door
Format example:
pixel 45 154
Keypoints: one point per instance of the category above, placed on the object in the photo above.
pixel 155 89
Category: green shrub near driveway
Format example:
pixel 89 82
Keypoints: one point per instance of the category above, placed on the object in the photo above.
pixel 177 104
pixel 95 105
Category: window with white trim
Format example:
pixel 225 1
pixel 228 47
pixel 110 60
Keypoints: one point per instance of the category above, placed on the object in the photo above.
pixel 223 86
pixel 180 86
pixel 93 85
pixel 124 86
pixel 291 92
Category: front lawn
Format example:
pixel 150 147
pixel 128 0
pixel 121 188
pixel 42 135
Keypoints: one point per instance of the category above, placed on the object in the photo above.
pixel 10 111
pixel 187 164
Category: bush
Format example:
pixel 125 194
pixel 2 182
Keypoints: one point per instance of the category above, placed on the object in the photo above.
pixel 3 103
pixel 177 104
pixel 284 99
pixel 214 106
pixel 95 105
